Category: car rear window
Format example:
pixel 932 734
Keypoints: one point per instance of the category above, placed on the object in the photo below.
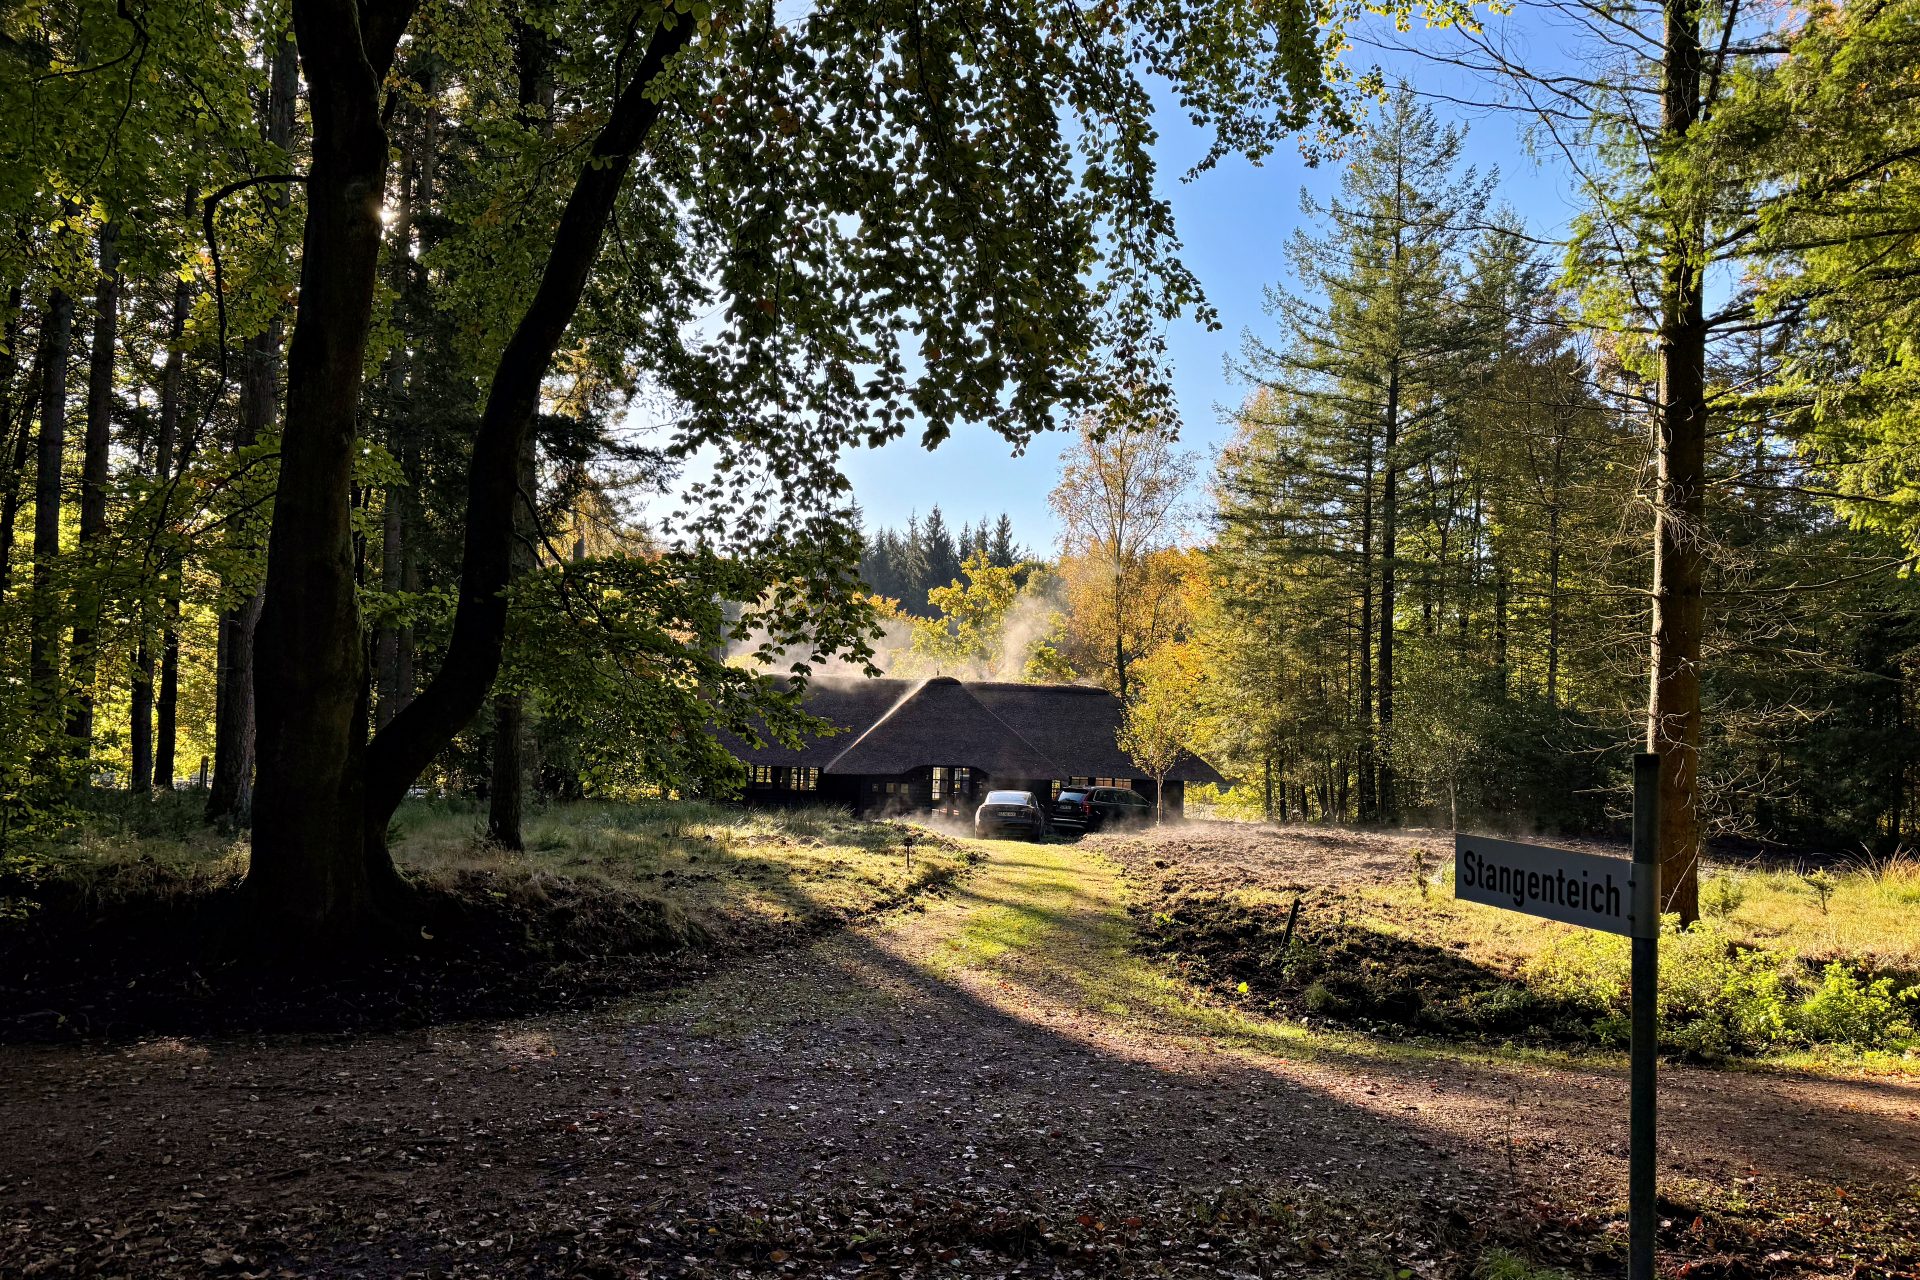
pixel 1073 795
pixel 1006 797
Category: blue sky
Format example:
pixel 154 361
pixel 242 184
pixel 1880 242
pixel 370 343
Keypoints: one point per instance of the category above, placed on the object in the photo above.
pixel 1235 221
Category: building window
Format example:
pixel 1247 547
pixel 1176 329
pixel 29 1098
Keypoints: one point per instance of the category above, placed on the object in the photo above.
pixel 802 778
pixel 962 781
pixel 942 782
pixel 761 775
pixel 1078 782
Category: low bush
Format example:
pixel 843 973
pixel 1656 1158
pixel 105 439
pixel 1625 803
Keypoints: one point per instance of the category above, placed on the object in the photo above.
pixel 1720 997
pixel 1861 1014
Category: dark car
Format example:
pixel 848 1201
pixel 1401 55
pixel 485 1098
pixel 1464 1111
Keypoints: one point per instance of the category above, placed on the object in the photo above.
pixel 1097 808
pixel 1010 813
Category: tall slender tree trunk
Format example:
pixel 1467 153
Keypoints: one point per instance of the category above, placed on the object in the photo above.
pixel 1502 580
pixel 44 646
pixel 21 401
pixel 170 460
pixel 1553 580
pixel 506 798
pixel 393 693
pixel 1389 520
pixel 230 791
pixel 140 669
pixel 1365 796
pixel 93 487
pixel 140 719
pixel 1679 561
pixel 166 706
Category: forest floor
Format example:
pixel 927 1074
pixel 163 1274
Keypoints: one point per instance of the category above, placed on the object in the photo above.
pixel 997 1081
pixel 121 928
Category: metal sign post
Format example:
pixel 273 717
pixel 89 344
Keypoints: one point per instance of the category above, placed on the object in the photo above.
pixel 1642 1221
pixel 1596 892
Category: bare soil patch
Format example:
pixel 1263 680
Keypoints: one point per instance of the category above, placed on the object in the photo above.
pixel 1266 916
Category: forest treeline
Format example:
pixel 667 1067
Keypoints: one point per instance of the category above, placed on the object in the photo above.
pixel 903 565
pixel 1416 584
pixel 343 348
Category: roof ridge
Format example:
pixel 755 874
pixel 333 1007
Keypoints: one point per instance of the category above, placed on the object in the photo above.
pixel 1018 737
pixel 871 729
pixel 914 694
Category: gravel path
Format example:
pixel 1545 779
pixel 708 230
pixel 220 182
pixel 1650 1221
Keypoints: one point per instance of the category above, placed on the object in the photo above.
pixel 999 1057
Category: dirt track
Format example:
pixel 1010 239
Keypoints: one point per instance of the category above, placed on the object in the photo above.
pixel 994 1085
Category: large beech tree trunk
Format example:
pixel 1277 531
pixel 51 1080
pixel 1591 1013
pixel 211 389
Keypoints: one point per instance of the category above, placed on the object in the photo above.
pixel 324 799
pixel 1679 561
pixel 309 879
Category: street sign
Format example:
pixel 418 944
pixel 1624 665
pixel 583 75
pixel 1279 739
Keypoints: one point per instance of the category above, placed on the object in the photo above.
pixel 1590 889
pixel 1617 896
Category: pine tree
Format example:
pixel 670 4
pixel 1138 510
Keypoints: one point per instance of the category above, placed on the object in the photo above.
pixel 940 557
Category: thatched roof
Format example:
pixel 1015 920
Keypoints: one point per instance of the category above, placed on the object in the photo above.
pixel 1028 731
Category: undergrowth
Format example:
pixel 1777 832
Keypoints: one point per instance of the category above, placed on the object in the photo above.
pixel 131 922
pixel 1730 986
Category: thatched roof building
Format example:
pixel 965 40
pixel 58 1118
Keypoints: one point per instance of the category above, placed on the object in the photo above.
pixel 940 744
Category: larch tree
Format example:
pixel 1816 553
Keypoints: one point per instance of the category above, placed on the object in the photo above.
pixel 1120 503
pixel 1686 179
pixel 1161 723
pixel 1369 340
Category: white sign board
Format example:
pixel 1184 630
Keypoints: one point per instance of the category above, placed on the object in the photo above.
pixel 1588 889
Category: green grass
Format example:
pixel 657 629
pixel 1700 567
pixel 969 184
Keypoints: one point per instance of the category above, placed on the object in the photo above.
pixel 1053 919
pixel 1504 1264
pixel 1818 973
pixel 724 866
pixel 1871 916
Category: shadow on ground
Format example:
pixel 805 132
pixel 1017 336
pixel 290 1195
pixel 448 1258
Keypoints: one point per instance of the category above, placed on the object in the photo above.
pixel 996 1084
